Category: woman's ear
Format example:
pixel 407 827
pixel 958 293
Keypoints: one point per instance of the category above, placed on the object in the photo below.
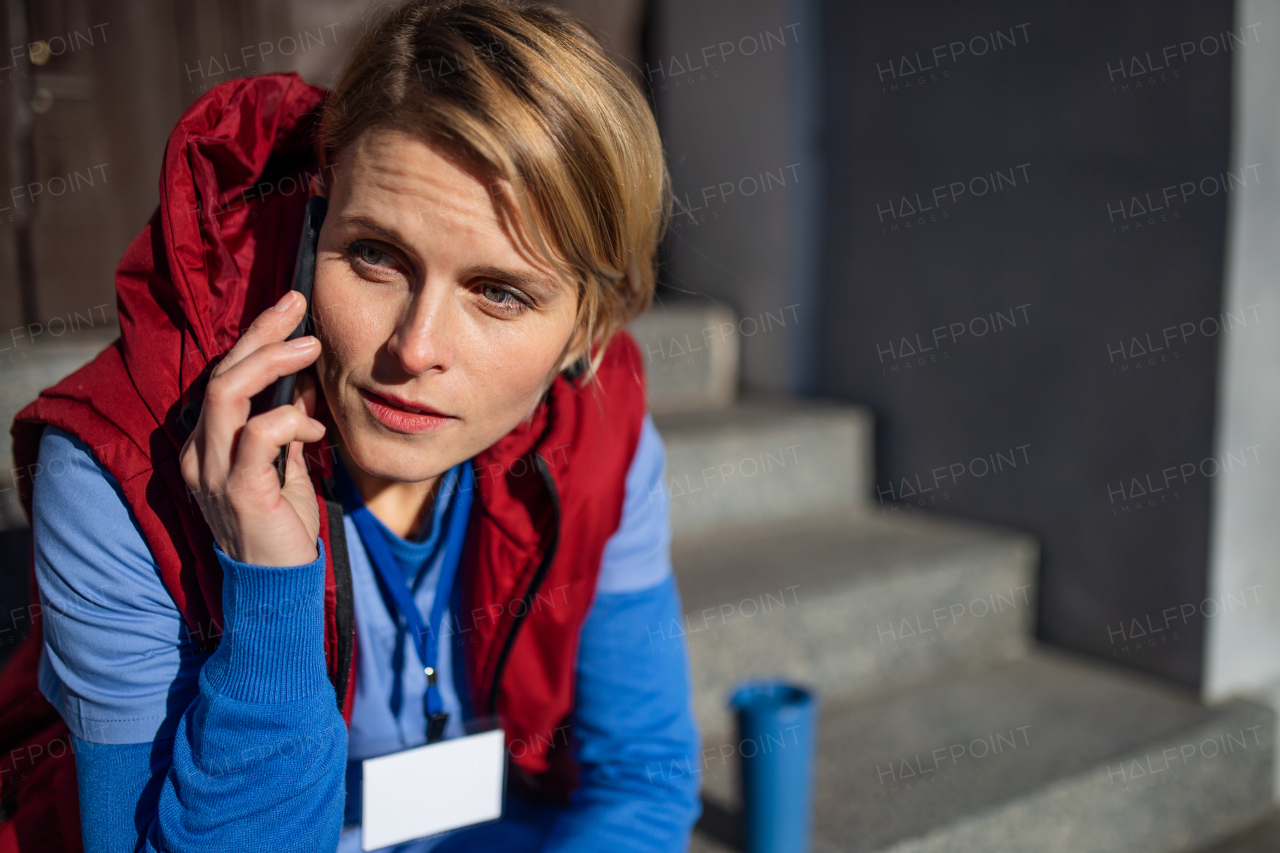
pixel 577 348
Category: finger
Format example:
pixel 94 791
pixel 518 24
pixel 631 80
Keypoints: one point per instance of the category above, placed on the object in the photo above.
pixel 274 324
pixel 228 397
pixel 254 466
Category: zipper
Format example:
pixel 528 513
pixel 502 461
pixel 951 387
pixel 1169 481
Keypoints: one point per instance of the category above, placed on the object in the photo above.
pixel 534 585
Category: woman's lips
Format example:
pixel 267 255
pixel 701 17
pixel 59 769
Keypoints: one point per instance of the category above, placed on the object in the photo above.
pixel 391 412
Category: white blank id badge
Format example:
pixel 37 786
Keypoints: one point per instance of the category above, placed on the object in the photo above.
pixel 434 788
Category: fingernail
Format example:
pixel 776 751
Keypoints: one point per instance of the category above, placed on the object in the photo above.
pixel 285 301
pixel 304 342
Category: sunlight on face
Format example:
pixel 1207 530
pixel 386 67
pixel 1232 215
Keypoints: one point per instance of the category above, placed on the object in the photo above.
pixel 438 333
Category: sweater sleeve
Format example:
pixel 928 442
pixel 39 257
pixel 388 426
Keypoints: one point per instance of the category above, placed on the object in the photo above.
pixel 636 739
pixel 259 758
pixel 254 755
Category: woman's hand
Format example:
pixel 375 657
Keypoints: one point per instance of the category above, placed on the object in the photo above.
pixel 228 461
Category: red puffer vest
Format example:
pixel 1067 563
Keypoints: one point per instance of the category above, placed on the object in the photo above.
pixel 217 252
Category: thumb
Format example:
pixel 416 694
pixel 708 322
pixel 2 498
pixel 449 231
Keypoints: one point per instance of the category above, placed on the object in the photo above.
pixel 298 489
pixel 297 480
pixel 298 469
pixel 304 392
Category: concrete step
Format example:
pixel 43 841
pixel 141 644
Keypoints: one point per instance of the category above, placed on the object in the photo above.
pixel 853 605
pixel 690 353
pixel 1048 754
pixel 25 370
pixel 1262 837
pixel 765 460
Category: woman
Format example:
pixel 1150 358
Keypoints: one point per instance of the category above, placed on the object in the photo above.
pixel 226 651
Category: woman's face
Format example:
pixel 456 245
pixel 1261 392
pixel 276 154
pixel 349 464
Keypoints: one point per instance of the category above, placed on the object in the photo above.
pixel 438 333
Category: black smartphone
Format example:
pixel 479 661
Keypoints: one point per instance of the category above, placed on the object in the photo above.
pixel 304 276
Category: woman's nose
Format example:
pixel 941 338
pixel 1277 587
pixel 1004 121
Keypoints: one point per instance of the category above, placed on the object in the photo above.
pixel 421 341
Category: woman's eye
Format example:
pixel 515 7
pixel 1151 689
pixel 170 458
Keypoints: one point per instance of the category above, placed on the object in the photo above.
pixel 371 255
pixel 501 297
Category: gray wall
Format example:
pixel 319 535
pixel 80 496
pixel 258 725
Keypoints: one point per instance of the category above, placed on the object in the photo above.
pixel 1037 404
pixel 735 87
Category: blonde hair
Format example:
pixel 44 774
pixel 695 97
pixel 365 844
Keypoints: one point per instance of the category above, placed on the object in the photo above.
pixel 525 93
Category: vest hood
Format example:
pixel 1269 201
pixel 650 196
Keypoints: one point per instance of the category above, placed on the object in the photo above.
pixel 217 252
